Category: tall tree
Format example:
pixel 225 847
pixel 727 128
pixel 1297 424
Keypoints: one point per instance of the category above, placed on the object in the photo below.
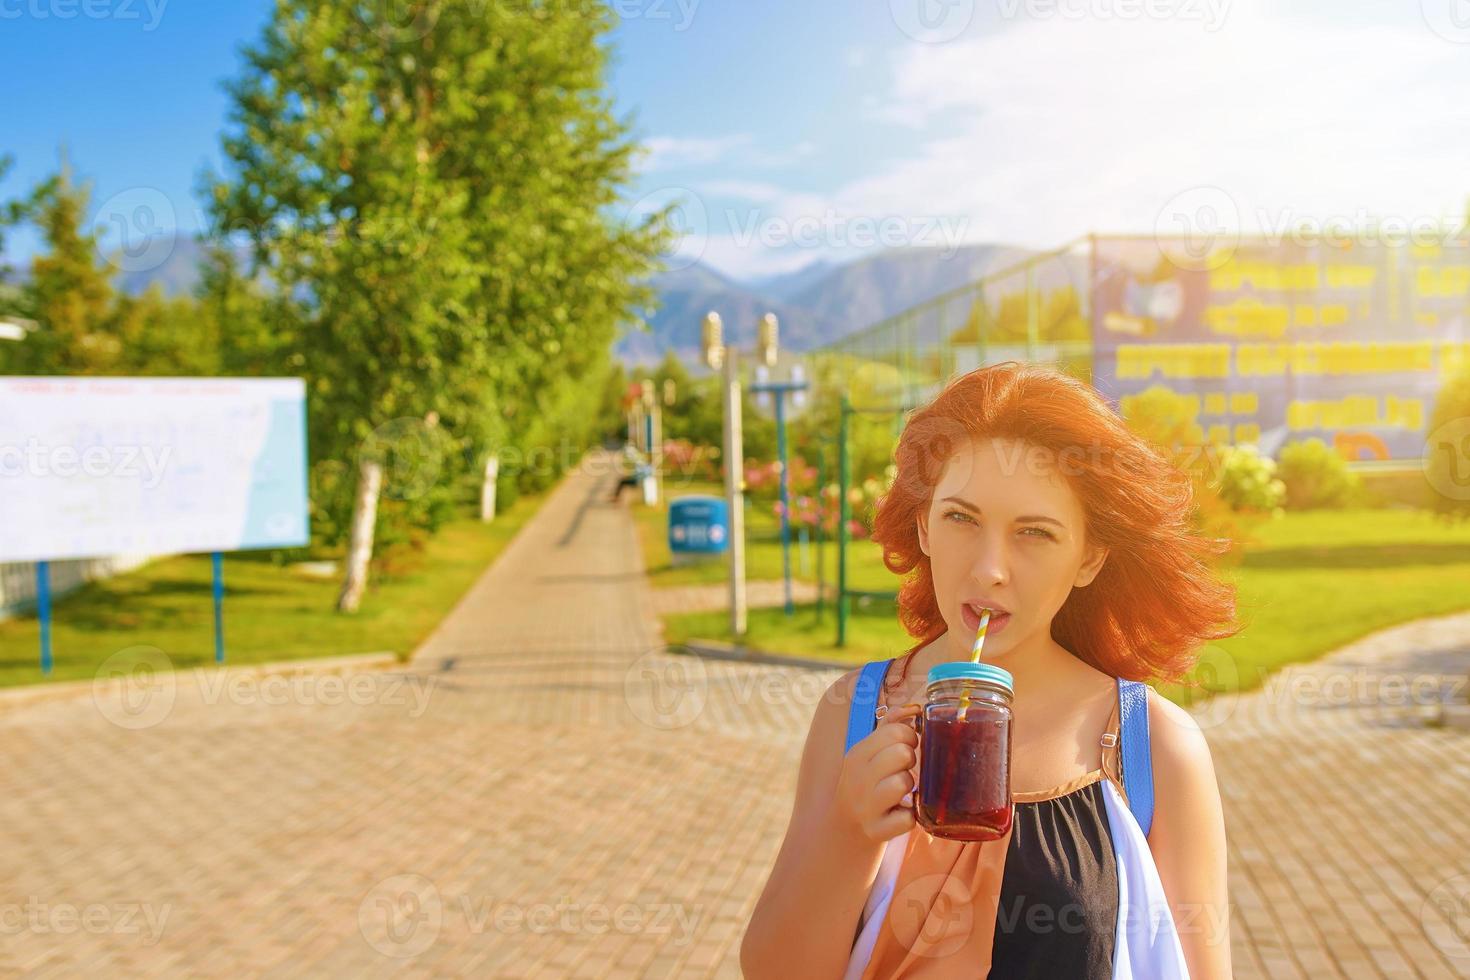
pixel 10 214
pixel 69 292
pixel 433 191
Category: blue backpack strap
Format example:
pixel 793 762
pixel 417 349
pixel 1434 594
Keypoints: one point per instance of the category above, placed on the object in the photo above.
pixel 860 720
pixel 1138 765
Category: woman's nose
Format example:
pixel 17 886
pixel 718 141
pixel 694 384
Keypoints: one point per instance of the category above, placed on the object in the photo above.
pixel 991 564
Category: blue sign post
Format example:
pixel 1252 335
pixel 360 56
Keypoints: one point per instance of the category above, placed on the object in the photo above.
pixel 217 560
pixel 779 390
pixel 43 612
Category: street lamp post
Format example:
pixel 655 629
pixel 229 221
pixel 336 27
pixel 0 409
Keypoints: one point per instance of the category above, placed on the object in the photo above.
pixel 721 357
pixel 653 441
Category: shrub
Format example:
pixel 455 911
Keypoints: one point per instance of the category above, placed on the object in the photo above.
pixel 1448 446
pixel 1316 476
pixel 1247 481
pixel 1170 421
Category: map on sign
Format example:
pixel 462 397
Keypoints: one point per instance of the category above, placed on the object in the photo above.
pixel 104 466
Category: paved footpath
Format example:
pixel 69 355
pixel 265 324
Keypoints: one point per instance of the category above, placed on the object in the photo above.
pixel 547 793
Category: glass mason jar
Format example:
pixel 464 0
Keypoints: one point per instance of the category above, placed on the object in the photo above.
pixel 964 784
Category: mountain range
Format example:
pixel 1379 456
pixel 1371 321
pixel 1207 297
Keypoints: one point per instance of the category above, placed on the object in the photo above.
pixel 815 304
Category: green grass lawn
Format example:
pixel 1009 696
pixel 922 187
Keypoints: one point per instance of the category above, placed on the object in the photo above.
pixel 1310 582
pixel 270 613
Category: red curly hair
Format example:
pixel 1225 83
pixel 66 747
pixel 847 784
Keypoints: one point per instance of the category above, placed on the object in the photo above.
pixel 1156 598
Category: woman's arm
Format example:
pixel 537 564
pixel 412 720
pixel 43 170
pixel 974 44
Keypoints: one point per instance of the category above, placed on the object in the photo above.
pixel 807 915
pixel 1188 838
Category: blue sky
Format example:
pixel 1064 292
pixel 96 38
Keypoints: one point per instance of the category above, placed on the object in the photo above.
pixel 794 131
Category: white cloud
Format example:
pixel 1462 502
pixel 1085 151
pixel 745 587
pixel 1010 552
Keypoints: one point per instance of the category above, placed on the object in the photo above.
pixel 745 190
pixel 668 152
pixel 1060 126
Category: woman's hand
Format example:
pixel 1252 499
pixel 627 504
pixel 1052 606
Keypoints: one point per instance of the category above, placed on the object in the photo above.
pixel 873 800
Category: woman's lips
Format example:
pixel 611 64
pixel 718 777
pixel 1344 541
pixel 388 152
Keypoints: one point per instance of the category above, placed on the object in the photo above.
pixel 972 620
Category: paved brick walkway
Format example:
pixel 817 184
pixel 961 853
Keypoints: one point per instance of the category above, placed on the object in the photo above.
pixel 545 793
pixel 706 598
pixel 1347 815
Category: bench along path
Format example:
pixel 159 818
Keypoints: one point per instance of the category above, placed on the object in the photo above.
pixel 546 792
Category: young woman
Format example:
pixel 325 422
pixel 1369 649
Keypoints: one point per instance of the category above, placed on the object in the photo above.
pixel 1019 490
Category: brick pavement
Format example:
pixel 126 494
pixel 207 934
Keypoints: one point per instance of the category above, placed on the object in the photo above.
pixel 706 598
pixel 545 793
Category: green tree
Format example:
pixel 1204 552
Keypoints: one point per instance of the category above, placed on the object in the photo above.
pixel 69 292
pixel 85 325
pixel 253 326
pixel 435 195
pixel 10 214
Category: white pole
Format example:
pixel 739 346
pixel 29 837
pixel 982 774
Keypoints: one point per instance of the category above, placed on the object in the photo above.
pixel 735 493
pixel 487 489
pixel 658 453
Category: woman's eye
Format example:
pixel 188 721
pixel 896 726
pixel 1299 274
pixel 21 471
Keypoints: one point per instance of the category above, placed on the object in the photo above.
pixel 1039 532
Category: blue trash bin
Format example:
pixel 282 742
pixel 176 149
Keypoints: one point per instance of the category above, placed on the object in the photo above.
pixel 699 525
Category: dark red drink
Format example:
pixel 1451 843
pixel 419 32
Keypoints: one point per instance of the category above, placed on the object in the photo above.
pixel 964 786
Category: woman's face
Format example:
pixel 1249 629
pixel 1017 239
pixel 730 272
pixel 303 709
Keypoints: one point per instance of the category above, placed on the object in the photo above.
pixel 1004 528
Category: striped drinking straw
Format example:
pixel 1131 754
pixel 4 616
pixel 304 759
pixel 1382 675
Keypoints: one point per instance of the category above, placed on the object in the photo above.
pixel 975 657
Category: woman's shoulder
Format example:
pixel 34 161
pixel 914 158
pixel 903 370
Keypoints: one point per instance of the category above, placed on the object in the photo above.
pixel 1181 753
pixel 834 708
pixel 1173 731
pixel 829 720
pixel 826 737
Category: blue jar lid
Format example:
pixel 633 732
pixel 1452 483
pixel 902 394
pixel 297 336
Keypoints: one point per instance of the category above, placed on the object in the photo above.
pixel 988 673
